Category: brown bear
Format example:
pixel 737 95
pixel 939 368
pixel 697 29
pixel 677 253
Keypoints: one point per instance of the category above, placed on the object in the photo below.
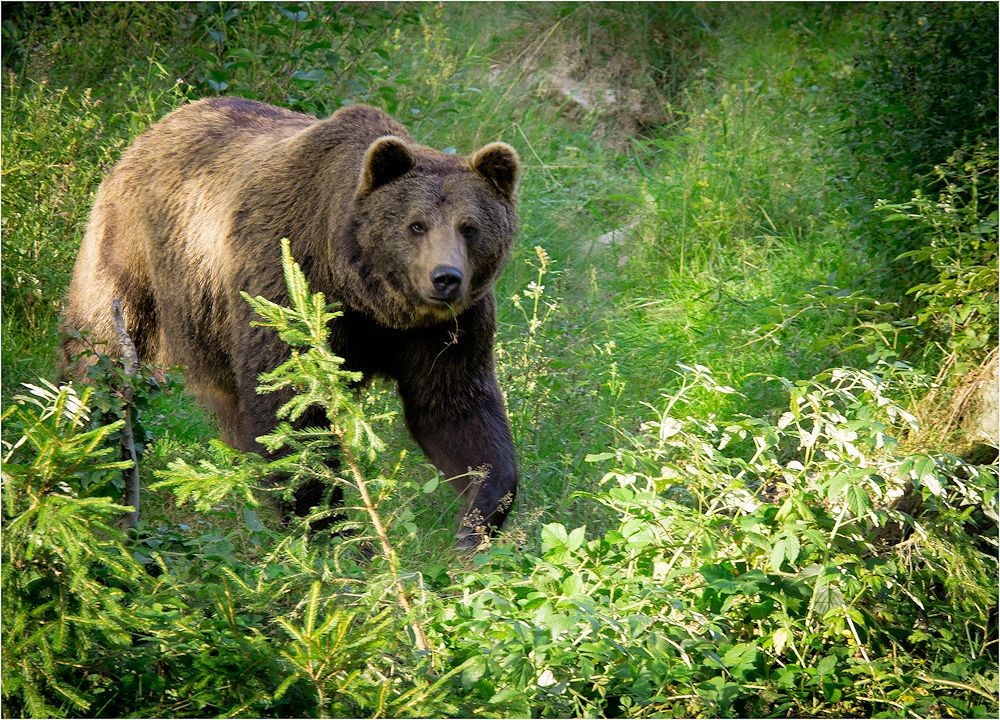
pixel 408 241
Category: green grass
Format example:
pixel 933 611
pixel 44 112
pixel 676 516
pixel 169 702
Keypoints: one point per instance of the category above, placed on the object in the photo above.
pixel 735 212
pixel 50 174
pixel 739 212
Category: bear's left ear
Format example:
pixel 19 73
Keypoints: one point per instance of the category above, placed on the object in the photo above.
pixel 385 160
pixel 498 162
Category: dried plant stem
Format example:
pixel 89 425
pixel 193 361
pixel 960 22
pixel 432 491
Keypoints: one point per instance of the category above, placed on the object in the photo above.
pixel 387 551
pixel 131 362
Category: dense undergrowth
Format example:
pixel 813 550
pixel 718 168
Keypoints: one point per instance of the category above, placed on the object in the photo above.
pixel 748 283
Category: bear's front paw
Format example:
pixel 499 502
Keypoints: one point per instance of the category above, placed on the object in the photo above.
pixel 472 539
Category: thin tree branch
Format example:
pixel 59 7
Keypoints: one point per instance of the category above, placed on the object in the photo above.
pixel 131 361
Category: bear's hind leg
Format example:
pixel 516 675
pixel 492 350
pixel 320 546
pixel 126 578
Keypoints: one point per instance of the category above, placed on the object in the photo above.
pixel 107 268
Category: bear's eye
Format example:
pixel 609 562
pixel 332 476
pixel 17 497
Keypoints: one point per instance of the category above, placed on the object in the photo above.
pixel 417 228
pixel 469 232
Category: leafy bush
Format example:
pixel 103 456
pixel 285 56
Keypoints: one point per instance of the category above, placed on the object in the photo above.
pixel 955 226
pixel 306 56
pixel 707 599
pixel 923 96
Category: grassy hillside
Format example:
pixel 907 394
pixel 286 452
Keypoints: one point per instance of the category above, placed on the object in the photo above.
pixel 749 482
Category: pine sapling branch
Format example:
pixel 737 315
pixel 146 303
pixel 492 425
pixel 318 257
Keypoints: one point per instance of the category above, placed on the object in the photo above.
pixel 317 377
pixel 387 551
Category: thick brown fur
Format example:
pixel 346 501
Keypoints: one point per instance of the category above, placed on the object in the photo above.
pixel 407 239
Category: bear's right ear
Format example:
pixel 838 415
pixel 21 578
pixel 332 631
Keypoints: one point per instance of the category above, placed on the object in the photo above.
pixel 385 160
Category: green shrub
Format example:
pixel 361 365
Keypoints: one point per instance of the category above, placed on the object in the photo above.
pixel 67 575
pixel 925 86
pixel 954 226
pixel 707 599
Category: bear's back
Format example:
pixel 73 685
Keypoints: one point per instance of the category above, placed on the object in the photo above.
pixel 230 140
pixel 209 132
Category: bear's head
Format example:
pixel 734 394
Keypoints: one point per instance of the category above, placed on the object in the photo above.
pixel 433 230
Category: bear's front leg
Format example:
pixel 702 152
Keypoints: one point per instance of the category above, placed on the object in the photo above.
pixel 257 416
pixel 475 451
pixel 454 410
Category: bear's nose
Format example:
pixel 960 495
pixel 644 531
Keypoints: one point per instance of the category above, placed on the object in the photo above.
pixel 447 281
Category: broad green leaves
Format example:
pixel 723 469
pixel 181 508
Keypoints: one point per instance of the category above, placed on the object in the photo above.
pixel 558 545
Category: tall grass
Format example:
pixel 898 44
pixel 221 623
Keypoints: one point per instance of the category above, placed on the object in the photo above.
pixel 740 215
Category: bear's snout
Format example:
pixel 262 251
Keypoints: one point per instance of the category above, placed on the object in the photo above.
pixel 447 282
